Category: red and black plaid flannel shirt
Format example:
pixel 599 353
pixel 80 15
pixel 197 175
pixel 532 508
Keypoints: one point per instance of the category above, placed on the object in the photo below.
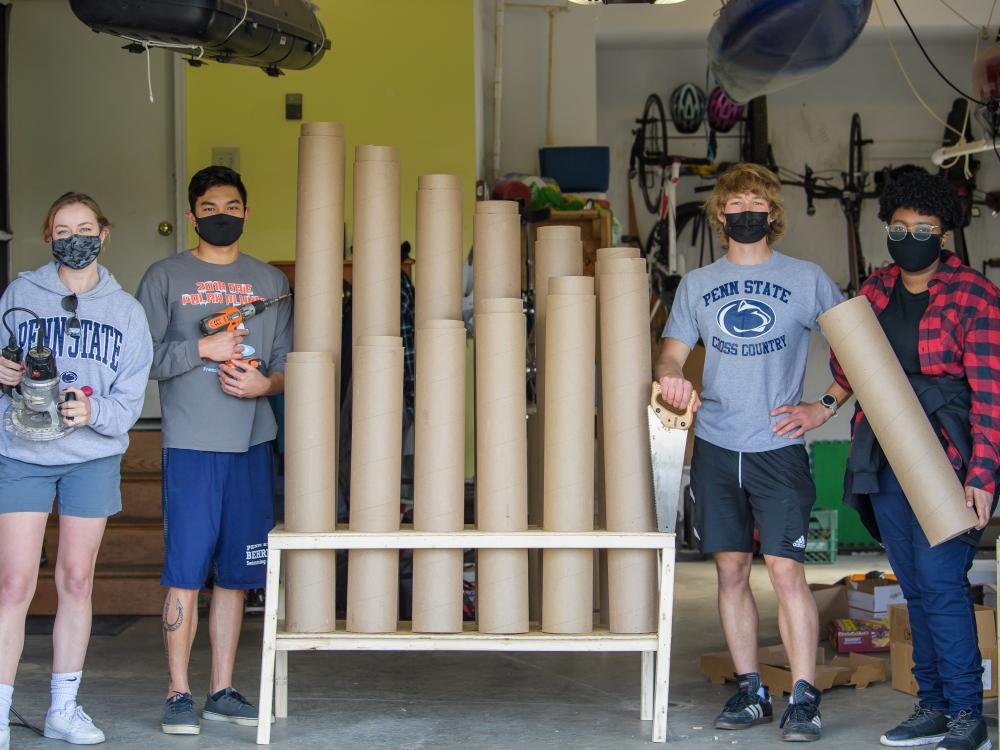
pixel 959 336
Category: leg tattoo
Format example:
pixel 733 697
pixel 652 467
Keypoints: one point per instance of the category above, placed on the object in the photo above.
pixel 168 626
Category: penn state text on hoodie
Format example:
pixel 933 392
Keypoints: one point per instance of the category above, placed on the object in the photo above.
pixel 112 355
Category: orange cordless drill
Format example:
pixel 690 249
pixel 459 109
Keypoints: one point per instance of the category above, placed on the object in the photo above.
pixel 231 318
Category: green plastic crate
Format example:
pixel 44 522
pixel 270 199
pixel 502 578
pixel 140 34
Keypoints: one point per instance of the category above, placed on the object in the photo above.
pixel 828 461
pixel 821 541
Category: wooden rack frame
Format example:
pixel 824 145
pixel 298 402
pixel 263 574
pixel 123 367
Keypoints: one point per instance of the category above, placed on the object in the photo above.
pixel 654 647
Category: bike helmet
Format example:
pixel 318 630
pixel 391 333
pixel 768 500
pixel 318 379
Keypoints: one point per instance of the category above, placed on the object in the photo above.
pixel 687 108
pixel 723 112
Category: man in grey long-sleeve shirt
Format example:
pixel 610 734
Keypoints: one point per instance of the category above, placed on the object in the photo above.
pixel 217 430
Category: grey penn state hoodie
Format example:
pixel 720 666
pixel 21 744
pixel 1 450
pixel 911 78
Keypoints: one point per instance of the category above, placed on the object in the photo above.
pixel 112 355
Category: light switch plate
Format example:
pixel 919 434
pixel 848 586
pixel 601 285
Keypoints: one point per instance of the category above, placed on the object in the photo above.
pixel 226 156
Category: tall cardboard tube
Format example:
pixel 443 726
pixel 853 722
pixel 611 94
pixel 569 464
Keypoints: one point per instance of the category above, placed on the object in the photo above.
pixel 558 252
pixel 496 259
pixel 567 575
pixel 625 377
pixel 603 254
pixel 897 419
pixel 501 468
pixel 376 454
pixel 310 489
pixel 375 296
pixel 439 248
pixel 439 474
pixel 311 497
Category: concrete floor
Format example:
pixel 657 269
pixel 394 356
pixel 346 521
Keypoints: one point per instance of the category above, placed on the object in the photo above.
pixel 450 701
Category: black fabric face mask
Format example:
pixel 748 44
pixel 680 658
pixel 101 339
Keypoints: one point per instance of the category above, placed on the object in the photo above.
pixel 912 254
pixel 77 251
pixel 221 230
pixel 747 227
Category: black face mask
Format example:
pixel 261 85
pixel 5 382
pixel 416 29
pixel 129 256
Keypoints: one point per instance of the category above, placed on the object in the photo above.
pixel 221 230
pixel 747 227
pixel 78 251
pixel 912 254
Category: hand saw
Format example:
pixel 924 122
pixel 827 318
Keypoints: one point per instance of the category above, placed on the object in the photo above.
pixel 668 435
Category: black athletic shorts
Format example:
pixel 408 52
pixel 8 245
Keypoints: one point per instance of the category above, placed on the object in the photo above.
pixel 734 491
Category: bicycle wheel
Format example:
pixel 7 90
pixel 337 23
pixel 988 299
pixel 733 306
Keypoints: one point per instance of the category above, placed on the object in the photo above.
pixel 754 146
pixel 652 156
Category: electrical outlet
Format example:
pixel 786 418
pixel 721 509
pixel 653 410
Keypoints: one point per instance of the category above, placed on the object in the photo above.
pixel 226 156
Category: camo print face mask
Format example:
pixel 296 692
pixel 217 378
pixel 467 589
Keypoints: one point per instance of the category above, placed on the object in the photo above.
pixel 78 251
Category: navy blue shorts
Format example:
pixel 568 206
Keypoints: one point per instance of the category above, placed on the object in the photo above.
pixel 217 510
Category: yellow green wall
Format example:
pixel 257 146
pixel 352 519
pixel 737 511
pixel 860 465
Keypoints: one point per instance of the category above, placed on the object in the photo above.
pixel 399 73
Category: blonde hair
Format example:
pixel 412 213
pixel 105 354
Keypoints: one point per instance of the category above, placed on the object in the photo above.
pixel 747 178
pixel 69 199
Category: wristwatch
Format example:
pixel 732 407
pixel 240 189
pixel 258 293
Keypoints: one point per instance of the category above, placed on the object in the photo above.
pixel 829 402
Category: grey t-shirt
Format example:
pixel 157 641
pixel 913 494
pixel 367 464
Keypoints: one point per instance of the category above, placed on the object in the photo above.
pixel 755 322
pixel 177 293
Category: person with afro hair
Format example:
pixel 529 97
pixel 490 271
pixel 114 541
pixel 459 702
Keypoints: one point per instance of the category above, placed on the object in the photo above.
pixel 942 320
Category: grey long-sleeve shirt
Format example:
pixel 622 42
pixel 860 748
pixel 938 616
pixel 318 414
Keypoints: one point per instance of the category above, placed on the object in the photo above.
pixel 177 293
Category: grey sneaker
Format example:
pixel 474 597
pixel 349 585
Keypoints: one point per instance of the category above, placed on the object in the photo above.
pixel 229 705
pixel 179 716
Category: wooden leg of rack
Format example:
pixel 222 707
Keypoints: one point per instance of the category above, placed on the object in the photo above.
pixel 281 685
pixel 646 699
pixel 268 652
pixel 661 697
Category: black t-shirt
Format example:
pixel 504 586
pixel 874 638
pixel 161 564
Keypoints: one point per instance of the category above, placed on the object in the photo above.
pixel 901 322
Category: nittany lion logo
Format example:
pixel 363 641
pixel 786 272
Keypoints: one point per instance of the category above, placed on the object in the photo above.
pixel 746 319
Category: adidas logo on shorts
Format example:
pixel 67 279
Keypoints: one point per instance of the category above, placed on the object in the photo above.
pixel 799 543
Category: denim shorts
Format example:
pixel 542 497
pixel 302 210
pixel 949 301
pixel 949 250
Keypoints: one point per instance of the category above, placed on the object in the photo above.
pixel 91 489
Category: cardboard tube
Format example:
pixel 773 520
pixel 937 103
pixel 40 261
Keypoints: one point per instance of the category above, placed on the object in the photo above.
pixel 439 474
pixel 502 305
pixel 567 575
pixel 375 300
pixel 439 248
pixel 625 378
pixel 558 252
pixel 319 238
pixel 897 419
pixel 376 454
pixel 603 253
pixel 578 285
pixel 496 260
pixel 501 468
pixel 310 489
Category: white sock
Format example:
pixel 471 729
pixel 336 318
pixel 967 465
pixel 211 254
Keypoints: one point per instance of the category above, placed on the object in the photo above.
pixel 6 698
pixel 64 687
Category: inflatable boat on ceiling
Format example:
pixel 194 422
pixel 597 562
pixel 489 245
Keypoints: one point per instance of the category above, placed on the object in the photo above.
pixel 274 35
pixel 757 47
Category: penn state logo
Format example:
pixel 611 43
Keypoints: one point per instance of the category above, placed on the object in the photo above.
pixel 746 319
pixel 70 377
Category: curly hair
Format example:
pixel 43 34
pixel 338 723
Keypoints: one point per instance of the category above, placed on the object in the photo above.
pixel 925 193
pixel 747 178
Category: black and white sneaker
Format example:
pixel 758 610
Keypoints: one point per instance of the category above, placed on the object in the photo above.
pixel 925 726
pixel 801 721
pixel 746 709
pixel 966 732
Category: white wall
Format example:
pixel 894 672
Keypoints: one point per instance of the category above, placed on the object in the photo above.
pixel 641 49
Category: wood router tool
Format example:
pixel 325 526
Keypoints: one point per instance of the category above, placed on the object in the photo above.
pixel 668 436
pixel 33 413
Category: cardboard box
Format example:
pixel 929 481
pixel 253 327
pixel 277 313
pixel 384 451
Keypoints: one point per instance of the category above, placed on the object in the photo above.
pixel 901 649
pixel 857 670
pixel 871 599
pixel 859 636
pixel 831 603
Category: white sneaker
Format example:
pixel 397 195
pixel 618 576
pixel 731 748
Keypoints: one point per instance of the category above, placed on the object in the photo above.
pixel 74 727
pixel 4 738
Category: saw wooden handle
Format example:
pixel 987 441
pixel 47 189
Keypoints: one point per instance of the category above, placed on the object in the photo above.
pixel 668 416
